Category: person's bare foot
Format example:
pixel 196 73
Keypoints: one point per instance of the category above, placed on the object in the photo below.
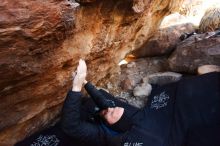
pixel 207 69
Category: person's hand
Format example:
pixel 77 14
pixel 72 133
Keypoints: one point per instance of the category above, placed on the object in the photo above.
pixel 79 77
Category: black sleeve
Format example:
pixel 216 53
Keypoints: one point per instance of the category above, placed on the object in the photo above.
pixel 98 97
pixel 73 126
pixel 129 117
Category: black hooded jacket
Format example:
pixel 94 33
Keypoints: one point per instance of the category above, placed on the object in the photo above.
pixel 184 113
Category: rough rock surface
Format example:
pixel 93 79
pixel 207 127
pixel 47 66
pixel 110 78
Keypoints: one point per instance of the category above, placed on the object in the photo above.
pixel 194 10
pixel 41 42
pixel 142 90
pixel 198 50
pixel 32 65
pixel 163 42
pixel 162 78
pixel 131 75
pixel 210 21
pixel 84 1
pixel 174 19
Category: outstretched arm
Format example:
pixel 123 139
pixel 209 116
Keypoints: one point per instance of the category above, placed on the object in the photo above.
pixel 71 123
pixel 101 101
pixel 73 126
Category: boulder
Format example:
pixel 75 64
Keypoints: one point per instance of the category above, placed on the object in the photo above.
pixel 34 66
pixel 132 74
pixel 122 84
pixel 127 84
pixel 142 90
pixel 162 78
pixel 41 43
pixel 163 42
pixel 173 19
pixel 210 21
pixel 198 50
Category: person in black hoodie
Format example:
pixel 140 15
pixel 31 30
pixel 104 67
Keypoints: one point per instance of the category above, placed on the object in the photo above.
pixel 184 113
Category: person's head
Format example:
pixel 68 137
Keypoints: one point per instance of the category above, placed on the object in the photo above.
pixel 112 115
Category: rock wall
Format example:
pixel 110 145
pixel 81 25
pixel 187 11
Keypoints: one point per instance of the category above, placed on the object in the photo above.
pixel 41 42
pixel 197 50
pixel 210 21
pixel 163 42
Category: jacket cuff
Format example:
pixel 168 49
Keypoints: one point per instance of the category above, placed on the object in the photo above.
pixel 74 94
pixel 88 86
